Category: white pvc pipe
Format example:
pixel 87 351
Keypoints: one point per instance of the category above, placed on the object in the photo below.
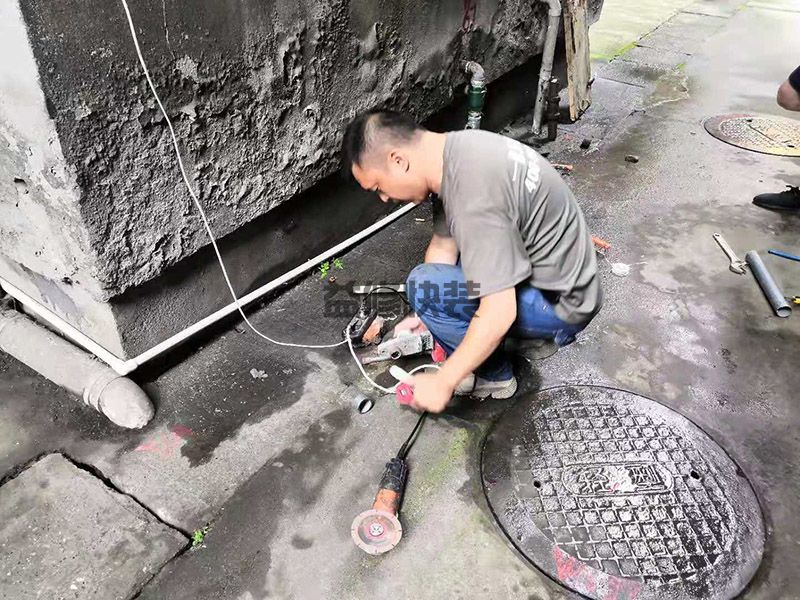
pixel 176 339
pixel 64 328
pixel 49 354
pixel 124 367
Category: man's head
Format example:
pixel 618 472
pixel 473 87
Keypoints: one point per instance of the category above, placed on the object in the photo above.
pixel 380 150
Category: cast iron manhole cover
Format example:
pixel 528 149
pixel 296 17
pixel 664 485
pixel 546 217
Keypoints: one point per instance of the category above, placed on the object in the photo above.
pixel 618 497
pixel 760 133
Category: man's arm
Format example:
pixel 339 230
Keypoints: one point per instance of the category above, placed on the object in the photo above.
pixel 442 250
pixel 494 317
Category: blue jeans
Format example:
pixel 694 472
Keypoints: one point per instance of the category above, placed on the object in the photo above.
pixel 438 294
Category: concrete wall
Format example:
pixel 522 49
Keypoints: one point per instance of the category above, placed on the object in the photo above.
pixel 44 244
pixel 259 92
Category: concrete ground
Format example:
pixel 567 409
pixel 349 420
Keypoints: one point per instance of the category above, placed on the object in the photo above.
pixel 262 443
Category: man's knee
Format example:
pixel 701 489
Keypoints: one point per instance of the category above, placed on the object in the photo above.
pixel 428 283
pixel 419 273
pixel 418 280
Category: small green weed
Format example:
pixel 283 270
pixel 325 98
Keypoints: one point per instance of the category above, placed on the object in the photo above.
pixel 325 268
pixel 199 536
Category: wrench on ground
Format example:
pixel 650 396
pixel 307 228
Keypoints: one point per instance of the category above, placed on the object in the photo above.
pixel 737 266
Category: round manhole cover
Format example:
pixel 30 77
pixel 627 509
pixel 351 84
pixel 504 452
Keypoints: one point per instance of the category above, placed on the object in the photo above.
pixel 760 133
pixel 618 497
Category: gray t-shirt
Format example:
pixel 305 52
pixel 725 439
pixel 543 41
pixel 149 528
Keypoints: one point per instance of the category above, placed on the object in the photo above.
pixel 515 221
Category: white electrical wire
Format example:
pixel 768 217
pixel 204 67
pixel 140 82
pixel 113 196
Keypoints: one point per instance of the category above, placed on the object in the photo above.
pixel 374 384
pixel 428 366
pixel 349 342
pixel 197 202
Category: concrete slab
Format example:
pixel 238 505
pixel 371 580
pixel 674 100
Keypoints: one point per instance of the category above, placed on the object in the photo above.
pixel 632 73
pixel 619 101
pixel 714 8
pixel 785 5
pixel 655 57
pixel 685 31
pixel 65 534
pixel 299 508
pixel 622 23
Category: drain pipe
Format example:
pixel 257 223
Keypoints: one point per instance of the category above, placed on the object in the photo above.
pixel 548 56
pixel 118 398
pixel 476 92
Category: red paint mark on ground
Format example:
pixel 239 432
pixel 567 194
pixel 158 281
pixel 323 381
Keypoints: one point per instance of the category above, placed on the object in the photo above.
pixel 588 580
pixel 621 589
pixel 574 573
pixel 166 443
pixel 182 431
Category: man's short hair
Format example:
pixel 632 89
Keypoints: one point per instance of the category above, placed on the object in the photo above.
pixel 372 129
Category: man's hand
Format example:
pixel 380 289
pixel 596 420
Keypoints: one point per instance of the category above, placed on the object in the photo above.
pixel 411 324
pixel 431 392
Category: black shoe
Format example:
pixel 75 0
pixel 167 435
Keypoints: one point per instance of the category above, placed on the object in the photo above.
pixel 785 200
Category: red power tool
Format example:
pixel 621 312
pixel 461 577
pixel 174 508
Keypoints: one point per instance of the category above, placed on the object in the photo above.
pixel 402 391
pixel 378 529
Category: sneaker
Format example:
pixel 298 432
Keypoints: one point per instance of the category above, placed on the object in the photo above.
pixel 785 200
pixel 478 387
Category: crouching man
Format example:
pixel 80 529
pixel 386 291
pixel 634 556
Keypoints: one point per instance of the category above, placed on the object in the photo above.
pixel 510 255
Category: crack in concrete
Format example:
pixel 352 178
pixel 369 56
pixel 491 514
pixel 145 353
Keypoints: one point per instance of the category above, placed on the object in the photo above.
pixel 166 29
pixel 95 472
pixel 98 474
pixel 18 470
pixel 702 14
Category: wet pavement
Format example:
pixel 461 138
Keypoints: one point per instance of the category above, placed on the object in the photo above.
pixel 278 465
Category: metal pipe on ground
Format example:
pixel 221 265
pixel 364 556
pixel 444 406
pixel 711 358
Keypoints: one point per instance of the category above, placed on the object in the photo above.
pixel 118 398
pixel 768 286
pixel 546 70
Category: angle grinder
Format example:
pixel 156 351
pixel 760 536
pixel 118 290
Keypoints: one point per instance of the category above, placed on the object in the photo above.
pixel 378 529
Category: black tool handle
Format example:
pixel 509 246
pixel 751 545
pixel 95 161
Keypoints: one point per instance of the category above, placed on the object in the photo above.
pixel 394 477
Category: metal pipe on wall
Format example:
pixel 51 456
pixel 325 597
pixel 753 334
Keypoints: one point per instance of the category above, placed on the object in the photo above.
pixel 548 57
pixel 476 92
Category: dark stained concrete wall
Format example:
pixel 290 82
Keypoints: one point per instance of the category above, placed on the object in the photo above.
pixel 259 92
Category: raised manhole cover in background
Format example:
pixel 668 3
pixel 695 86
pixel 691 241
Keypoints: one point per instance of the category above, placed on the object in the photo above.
pixel 618 497
pixel 760 133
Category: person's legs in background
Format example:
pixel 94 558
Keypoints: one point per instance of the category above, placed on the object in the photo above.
pixel 789 199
